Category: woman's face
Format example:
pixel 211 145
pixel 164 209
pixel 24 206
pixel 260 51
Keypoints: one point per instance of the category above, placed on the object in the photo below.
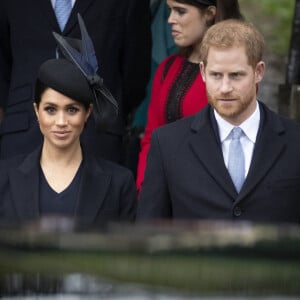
pixel 188 24
pixel 61 119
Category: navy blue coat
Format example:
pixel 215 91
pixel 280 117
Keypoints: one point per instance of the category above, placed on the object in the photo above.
pixel 186 177
pixel 106 192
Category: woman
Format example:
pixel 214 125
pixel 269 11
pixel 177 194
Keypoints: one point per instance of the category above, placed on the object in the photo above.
pixel 178 90
pixel 60 178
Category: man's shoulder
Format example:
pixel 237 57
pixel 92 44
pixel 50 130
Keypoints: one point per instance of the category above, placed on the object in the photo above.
pixel 279 120
pixel 184 125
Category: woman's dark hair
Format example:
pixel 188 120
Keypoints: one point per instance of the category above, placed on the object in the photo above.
pixel 226 9
pixel 40 88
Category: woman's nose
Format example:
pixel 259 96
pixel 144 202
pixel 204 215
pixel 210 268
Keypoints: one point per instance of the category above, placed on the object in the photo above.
pixel 61 119
pixel 171 18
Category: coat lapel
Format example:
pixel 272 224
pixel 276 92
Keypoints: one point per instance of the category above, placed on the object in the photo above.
pixel 271 141
pixel 24 183
pixel 93 189
pixel 48 12
pixel 206 146
pixel 80 7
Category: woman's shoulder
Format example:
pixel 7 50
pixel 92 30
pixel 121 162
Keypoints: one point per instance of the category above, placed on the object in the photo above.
pixel 11 162
pixel 110 167
pixel 170 59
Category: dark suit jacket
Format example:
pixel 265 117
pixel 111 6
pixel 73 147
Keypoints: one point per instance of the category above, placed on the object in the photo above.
pixel 121 34
pixel 186 176
pixel 106 192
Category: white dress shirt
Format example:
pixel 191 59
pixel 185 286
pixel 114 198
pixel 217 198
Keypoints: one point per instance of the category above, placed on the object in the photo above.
pixel 248 139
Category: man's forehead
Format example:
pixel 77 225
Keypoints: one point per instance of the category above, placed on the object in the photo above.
pixel 233 57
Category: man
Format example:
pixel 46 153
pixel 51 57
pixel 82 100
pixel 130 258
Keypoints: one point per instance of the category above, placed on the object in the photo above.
pixel 189 165
pixel 121 33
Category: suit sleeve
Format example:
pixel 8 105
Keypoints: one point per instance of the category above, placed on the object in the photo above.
pixel 137 54
pixel 154 202
pixel 5 56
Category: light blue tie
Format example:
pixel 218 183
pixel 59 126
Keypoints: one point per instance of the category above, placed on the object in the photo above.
pixel 62 10
pixel 236 160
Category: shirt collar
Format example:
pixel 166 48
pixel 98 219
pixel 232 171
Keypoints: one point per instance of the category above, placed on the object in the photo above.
pixel 249 126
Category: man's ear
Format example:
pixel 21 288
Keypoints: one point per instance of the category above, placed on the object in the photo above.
pixel 202 70
pixel 259 71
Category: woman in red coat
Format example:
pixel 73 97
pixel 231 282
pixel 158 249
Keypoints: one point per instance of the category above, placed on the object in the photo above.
pixel 178 90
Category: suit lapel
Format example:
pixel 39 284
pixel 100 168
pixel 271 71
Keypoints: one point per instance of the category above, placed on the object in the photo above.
pixel 47 10
pixel 24 183
pixel 206 146
pixel 80 7
pixel 270 143
pixel 93 189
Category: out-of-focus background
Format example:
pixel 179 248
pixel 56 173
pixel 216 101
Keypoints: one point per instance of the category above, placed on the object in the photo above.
pixel 275 19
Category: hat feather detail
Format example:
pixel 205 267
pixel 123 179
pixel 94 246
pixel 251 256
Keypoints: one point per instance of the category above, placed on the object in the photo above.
pixel 82 54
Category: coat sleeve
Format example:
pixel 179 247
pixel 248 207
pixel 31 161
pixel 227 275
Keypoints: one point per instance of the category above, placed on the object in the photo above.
pixel 154 120
pixel 137 54
pixel 5 56
pixel 154 202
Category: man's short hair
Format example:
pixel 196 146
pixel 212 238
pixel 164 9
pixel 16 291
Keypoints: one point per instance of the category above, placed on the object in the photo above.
pixel 229 33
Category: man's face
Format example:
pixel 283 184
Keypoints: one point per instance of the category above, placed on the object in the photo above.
pixel 231 83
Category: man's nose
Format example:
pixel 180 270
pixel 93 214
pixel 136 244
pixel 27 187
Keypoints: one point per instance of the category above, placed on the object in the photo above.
pixel 226 86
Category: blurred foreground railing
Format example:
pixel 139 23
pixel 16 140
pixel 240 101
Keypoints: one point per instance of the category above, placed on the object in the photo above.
pixel 215 258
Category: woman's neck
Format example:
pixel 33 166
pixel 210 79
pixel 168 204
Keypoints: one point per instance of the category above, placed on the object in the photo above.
pixel 194 56
pixel 60 165
pixel 61 157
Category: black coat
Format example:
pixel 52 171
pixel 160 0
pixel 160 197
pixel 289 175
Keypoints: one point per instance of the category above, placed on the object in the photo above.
pixel 186 176
pixel 106 192
pixel 121 34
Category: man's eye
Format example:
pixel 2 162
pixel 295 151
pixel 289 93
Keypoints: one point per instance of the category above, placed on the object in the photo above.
pixel 216 75
pixel 235 75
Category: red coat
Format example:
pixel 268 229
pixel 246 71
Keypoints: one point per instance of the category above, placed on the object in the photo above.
pixel 177 92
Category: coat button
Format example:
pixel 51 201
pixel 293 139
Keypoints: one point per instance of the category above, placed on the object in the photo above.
pixel 237 211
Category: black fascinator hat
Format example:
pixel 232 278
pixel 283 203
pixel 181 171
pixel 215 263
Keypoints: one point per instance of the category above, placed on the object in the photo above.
pixel 76 75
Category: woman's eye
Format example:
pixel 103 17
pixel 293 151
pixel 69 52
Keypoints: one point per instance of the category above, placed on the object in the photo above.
pixel 72 110
pixel 180 11
pixel 50 110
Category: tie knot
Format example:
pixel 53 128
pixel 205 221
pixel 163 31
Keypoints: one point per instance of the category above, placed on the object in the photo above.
pixel 236 133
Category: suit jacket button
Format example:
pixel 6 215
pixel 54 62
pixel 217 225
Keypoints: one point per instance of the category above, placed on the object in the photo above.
pixel 237 211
